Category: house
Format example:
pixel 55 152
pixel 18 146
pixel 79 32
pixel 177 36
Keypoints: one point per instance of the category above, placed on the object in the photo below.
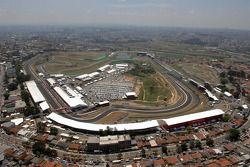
pixel 20 106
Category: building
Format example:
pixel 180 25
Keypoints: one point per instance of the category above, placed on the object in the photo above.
pixel 131 95
pixel 71 98
pixel 108 144
pixel 20 106
pixel 142 53
pixel 34 91
pixel 10 70
pixel 193 119
pixel 103 103
pixel 44 106
pixel 104 68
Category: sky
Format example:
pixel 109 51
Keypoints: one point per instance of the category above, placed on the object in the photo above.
pixel 234 14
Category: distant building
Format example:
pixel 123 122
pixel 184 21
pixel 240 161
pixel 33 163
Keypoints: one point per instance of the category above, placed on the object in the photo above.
pixel 10 70
pixel 142 53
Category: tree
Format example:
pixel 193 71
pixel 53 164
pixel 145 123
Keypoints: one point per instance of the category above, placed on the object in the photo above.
pixel 178 148
pixel 12 86
pixel 40 127
pixel 39 148
pixel 164 149
pixel 226 118
pixel 248 98
pixel 25 97
pixel 223 75
pixel 6 79
pixel 184 146
pixel 189 129
pixel 198 144
pixel 223 81
pixel 209 142
pixel 191 144
pixel 21 86
pixel 119 156
pixel 53 131
pixel 29 110
pixel 208 86
pixel 6 95
pixel 143 153
pixel 242 74
pixel 234 134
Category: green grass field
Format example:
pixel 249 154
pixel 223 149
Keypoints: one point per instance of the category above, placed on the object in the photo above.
pixel 75 63
pixel 153 89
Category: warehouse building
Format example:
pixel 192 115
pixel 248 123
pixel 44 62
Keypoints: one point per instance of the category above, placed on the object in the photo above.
pixel 34 92
pixel 71 98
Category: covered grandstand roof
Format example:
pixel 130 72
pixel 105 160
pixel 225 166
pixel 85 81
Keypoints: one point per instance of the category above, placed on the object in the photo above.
pixel 96 127
pixel 192 117
pixel 132 126
pixel 72 101
pixel 34 92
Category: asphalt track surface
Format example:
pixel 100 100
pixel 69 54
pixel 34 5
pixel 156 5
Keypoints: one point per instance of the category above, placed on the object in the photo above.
pixel 188 98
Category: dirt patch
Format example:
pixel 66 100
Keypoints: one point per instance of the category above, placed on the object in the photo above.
pixel 112 118
pixel 203 72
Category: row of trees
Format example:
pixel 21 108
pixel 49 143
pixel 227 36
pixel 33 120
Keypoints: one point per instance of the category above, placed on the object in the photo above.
pixel 141 69
pixel 41 128
pixel 39 148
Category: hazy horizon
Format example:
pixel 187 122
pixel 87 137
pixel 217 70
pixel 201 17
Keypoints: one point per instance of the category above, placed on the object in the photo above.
pixel 229 14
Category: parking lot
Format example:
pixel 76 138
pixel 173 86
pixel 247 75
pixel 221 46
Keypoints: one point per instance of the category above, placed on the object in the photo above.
pixel 110 88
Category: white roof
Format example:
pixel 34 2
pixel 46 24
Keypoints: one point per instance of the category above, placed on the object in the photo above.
pixel 82 76
pixel 96 127
pixel 103 68
pixel 111 71
pixel 79 88
pixel 103 102
pixel 44 106
pixel 121 65
pixel 130 94
pixel 22 132
pixel 94 74
pixel 51 81
pixel 73 102
pixel 73 93
pixel 35 92
pixel 211 95
pixel 88 76
pixel 245 106
pixel 57 75
pixel 191 117
pixel 17 121
pixel 227 94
